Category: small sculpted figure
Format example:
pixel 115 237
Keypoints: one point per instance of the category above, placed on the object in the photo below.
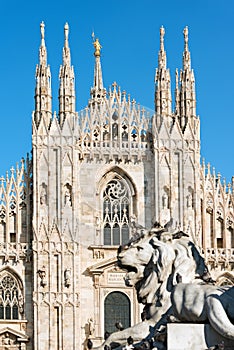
pixel 67 277
pixel 43 196
pixel 91 326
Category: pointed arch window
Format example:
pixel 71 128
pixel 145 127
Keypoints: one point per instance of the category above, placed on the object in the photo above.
pixel 11 300
pixel 116 211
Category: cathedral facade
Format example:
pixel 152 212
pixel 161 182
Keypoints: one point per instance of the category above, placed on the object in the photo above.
pixel 94 179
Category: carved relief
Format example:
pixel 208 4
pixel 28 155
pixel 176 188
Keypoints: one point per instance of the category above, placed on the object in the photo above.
pixel 91 326
pixel 43 194
pixel 9 339
pixel 165 200
pixel 189 198
pixel 165 213
pixel 42 275
pixel 67 195
pixel 98 254
pixel 67 277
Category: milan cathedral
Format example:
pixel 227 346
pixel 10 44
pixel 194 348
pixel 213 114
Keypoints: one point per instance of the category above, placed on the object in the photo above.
pixel 95 177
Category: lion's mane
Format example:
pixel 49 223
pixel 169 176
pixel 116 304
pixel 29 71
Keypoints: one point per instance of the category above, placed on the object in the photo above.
pixel 159 262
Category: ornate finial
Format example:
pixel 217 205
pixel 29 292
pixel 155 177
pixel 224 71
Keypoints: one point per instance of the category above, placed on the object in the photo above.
pixel 186 54
pixel 186 38
pixel 42 25
pixel 97 47
pixel 66 32
pixel 66 50
pixel 42 53
pixel 162 60
pixel 162 33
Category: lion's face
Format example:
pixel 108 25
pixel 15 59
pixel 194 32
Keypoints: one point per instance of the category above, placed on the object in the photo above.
pixel 134 257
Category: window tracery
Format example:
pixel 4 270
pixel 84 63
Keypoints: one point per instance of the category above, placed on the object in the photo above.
pixel 116 211
pixel 11 299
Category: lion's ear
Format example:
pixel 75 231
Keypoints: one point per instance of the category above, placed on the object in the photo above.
pixel 168 224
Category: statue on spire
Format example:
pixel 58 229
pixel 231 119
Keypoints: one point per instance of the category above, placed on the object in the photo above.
pixel 186 55
pixel 162 60
pixel 66 50
pixel 186 38
pixel 42 53
pixel 42 25
pixel 97 91
pixel 97 47
pixel 162 33
pixel 66 32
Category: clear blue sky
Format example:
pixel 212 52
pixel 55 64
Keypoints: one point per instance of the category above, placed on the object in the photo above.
pixel 129 33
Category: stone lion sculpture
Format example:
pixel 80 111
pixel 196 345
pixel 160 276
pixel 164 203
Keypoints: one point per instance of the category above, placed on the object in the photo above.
pixel 171 280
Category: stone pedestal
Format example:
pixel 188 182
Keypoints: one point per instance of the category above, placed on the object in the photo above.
pixel 189 336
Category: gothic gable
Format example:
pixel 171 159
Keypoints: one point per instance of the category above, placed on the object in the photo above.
pixel 55 127
pixel 107 273
pixel 12 339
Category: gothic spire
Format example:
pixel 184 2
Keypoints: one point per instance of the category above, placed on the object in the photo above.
pixel 67 81
pixel 66 49
pixel 186 54
pixel 162 84
pixel 97 91
pixel 43 105
pixel 187 86
pixel 162 58
pixel 42 50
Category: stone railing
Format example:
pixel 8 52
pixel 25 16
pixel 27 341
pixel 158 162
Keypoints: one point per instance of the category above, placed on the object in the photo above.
pixel 116 144
pixel 56 298
pixel 15 251
pixel 218 256
pixel 56 247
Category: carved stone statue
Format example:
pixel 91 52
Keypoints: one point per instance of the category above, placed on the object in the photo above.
pixel 91 326
pixel 171 279
pixel 165 213
pixel 42 275
pixel 43 194
pixel 21 303
pixel 165 201
pixel 189 201
pixel 67 277
pixel 67 195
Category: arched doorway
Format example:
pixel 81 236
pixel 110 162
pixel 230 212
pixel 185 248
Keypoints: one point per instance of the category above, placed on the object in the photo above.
pixel 116 309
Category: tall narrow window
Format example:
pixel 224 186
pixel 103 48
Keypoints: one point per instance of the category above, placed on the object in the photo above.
pixel 116 204
pixel 57 328
pixel 116 309
pixel 10 298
